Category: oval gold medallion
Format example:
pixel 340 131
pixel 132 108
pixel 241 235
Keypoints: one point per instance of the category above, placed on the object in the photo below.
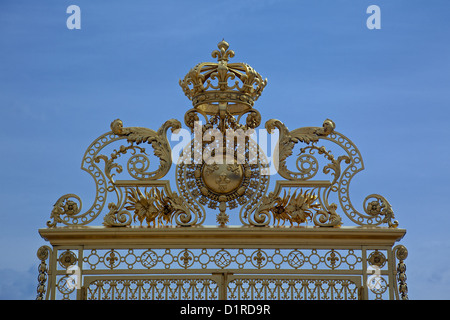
pixel 222 178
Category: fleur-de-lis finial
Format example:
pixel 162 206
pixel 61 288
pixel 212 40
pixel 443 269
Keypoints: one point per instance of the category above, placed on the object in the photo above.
pixel 223 54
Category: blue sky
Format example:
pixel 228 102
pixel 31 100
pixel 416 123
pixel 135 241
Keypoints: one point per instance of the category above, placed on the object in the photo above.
pixel 387 90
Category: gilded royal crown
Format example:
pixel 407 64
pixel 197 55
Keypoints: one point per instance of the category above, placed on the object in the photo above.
pixel 210 84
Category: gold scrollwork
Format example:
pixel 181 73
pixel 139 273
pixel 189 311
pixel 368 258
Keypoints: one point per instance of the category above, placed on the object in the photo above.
pixel 75 217
pixel 110 164
pixel 288 139
pixel 157 139
pixel 327 218
pixel 335 164
pixel 64 209
pixel 379 206
pixel 67 209
pixel 116 217
pixel 343 184
pixel 307 168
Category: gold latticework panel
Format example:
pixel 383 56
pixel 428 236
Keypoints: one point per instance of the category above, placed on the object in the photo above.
pixel 292 288
pixel 207 258
pixel 152 288
pixel 230 287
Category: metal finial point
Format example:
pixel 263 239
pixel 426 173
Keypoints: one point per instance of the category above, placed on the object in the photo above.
pixel 223 45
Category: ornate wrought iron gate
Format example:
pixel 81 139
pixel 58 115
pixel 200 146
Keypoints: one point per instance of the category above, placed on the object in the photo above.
pixel 153 242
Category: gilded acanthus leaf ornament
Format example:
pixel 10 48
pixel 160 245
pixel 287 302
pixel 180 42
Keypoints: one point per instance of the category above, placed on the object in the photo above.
pixel 156 208
pixel 157 139
pixel 288 139
pixel 116 217
pixel 334 165
pixel 64 207
pixel 297 207
pixel 269 203
pixel 109 162
pixel 379 206
pixel 328 217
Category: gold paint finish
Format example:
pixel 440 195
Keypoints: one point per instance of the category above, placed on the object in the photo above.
pixel 302 239
pixel 223 237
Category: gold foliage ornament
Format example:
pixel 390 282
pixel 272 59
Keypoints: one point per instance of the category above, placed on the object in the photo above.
pixel 157 139
pixel 295 208
pixel 298 208
pixel 64 207
pixel 143 205
pixel 154 206
pixel 380 207
pixel 288 139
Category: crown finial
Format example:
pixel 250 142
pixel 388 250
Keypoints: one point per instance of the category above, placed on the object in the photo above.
pixel 223 54
pixel 223 44
pixel 236 85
